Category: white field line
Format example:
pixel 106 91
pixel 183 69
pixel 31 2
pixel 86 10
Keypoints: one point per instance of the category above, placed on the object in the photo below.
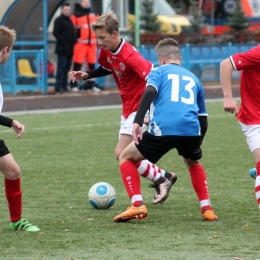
pixel 91 125
pixel 61 110
pixel 76 109
pixel 61 127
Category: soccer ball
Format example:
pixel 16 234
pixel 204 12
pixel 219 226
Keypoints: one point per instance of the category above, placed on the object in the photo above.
pixel 102 195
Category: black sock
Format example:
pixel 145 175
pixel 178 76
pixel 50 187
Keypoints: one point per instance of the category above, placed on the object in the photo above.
pixel 167 175
pixel 160 181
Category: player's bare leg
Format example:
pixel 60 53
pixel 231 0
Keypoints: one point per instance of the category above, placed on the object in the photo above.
pixel 162 180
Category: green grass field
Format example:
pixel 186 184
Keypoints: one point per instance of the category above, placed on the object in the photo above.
pixel 62 155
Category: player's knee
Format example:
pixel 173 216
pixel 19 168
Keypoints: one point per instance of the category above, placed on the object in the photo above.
pixel 189 163
pixel 122 158
pixel 256 154
pixel 117 154
pixel 12 173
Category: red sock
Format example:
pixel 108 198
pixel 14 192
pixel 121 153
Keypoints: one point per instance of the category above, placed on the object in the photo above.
pixel 257 184
pixel 199 182
pixel 149 171
pixel 14 197
pixel 132 182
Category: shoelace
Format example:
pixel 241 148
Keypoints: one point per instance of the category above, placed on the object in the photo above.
pixel 23 224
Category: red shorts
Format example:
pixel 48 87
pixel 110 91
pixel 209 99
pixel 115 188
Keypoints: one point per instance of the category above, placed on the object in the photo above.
pixel 83 51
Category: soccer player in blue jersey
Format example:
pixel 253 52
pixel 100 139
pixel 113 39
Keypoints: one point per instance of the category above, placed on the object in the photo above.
pixel 178 120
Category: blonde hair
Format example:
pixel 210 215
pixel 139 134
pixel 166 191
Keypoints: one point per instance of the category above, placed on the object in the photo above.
pixel 107 21
pixel 7 37
pixel 168 48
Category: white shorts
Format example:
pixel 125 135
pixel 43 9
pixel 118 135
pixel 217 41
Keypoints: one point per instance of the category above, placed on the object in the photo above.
pixel 252 134
pixel 126 125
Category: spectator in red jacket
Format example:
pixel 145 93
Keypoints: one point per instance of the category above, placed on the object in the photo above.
pixel 85 48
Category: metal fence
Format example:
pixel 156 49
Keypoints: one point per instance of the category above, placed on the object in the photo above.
pixel 23 70
pixel 201 59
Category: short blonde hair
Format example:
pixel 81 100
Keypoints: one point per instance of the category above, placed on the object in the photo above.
pixel 168 48
pixel 7 37
pixel 107 21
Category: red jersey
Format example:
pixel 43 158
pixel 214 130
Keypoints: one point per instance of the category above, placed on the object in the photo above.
pixel 249 64
pixel 129 69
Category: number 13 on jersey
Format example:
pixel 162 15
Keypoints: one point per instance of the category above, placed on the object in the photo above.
pixel 175 79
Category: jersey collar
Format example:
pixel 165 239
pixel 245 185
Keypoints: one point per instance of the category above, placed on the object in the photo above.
pixel 119 47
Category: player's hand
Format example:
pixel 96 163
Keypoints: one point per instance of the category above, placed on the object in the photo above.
pixel 146 120
pixel 137 132
pixel 78 75
pixel 18 128
pixel 230 105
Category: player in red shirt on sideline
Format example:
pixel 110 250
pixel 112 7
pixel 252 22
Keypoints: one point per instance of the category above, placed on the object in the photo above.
pixel 129 70
pixel 248 113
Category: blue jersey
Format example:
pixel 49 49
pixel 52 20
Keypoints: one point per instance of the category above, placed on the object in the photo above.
pixel 178 103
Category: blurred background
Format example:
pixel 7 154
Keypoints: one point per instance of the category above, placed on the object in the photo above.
pixel 208 31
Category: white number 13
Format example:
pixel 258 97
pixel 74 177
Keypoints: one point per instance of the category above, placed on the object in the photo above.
pixel 176 88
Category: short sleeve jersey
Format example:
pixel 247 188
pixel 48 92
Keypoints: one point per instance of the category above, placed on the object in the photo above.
pixel 129 70
pixel 178 103
pixel 249 65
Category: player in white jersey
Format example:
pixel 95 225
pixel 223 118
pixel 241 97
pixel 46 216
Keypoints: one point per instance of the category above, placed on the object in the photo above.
pixel 178 120
pixel 8 166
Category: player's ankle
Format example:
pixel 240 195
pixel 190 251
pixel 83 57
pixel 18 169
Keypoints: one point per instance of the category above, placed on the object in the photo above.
pixel 159 181
pixel 138 203
pixel 203 209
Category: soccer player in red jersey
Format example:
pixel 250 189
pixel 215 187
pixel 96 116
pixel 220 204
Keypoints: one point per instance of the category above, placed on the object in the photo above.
pixel 129 70
pixel 8 165
pixel 248 113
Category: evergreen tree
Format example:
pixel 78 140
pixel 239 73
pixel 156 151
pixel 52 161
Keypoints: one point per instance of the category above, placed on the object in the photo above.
pixel 196 19
pixel 238 20
pixel 148 18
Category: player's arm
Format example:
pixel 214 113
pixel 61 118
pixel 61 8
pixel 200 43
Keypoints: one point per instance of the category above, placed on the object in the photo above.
pixel 98 72
pixel 6 121
pixel 95 73
pixel 145 103
pixel 203 125
pixel 226 69
pixel 202 113
pixel 18 127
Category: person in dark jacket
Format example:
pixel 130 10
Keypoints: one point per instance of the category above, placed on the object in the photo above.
pixel 65 35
